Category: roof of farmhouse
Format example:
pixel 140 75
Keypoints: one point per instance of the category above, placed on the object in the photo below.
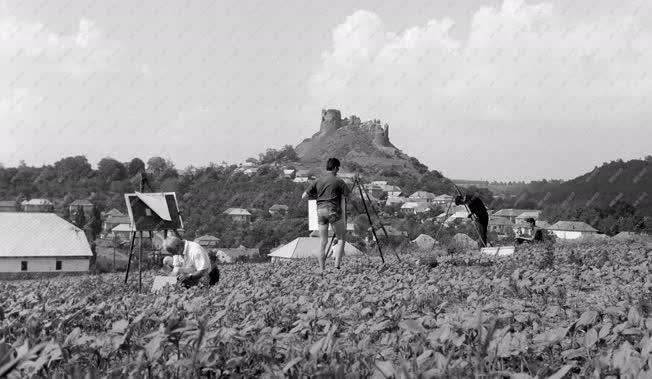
pixel 40 235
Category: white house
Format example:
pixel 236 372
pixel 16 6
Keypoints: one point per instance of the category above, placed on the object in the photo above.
pixel 41 242
pixel 511 214
pixel 528 214
pixel 238 214
pixel 415 207
pixel 302 176
pixel 442 199
pixel 422 196
pixel 287 173
pixel 391 200
pixel 571 230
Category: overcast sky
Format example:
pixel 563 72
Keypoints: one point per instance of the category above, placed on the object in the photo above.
pixel 503 90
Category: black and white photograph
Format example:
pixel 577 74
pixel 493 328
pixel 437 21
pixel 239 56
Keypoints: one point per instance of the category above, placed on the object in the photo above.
pixel 342 189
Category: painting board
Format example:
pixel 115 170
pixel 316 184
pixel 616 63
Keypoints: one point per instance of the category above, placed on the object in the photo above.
pixel 144 217
pixel 161 281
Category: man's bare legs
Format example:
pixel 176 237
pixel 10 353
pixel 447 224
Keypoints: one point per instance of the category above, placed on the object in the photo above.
pixel 340 232
pixel 323 234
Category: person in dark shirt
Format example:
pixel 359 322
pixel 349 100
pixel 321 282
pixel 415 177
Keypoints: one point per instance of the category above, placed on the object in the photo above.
pixel 535 234
pixel 328 191
pixel 477 209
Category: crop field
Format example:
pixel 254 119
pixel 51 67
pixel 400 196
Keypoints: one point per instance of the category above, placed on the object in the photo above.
pixel 573 310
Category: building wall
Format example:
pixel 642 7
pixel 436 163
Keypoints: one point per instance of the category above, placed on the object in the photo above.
pixel 44 264
pixel 567 235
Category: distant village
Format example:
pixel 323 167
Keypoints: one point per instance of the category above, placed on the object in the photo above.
pixel 56 244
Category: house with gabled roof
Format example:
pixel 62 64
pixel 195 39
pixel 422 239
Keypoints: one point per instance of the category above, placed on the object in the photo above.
pixel 278 209
pixel 238 214
pixel 500 225
pixel 412 207
pixel 41 242
pixel 208 241
pixel 83 205
pixel 37 205
pixel 442 199
pixel 422 196
pixel 570 230
pixel 529 214
pixel 511 214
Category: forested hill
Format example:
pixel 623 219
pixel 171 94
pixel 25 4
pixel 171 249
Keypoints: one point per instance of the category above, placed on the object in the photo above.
pixel 629 182
pixel 204 193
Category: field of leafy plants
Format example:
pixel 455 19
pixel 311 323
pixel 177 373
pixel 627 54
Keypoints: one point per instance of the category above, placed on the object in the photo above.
pixel 573 310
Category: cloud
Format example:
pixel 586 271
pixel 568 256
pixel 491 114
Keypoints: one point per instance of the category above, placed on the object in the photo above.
pixel 524 74
pixel 78 54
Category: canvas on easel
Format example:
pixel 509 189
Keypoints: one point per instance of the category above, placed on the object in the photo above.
pixel 153 211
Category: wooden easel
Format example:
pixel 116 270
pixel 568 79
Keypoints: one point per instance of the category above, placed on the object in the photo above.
pixel 143 182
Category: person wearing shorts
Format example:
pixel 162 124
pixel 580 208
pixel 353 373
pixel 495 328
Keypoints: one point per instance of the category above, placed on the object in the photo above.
pixel 328 192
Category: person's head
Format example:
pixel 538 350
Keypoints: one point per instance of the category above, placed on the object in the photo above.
pixel 173 245
pixel 459 200
pixel 333 164
pixel 530 221
pixel 168 261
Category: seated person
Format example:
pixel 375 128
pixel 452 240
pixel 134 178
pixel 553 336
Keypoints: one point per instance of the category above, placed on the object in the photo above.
pixel 193 265
pixel 534 234
pixel 177 264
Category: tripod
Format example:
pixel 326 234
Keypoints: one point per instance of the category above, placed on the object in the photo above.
pixel 363 192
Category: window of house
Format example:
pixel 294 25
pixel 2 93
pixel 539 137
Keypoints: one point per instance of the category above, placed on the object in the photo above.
pixel 57 265
pixel 23 266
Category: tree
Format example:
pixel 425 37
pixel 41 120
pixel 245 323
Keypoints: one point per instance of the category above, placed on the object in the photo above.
pixel 73 168
pixel 161 168
pixel 110 169
pixel 135 166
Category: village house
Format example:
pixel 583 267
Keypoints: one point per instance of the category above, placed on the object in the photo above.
pixel 422 196
pixel 122 232
pixel 348 177
pixel 225 255
pixel 111 222
pixel 511 214
pixel 412 207
pixel 394 191
pixel 42 242
pixel 250 171
pixel 392 200
pixel 288 172
pixel 500 225
pixel 238 214
pixel 278 209
pixel 37 205
pixel 302 176
pixel 208 241
pixel 8 206
pixel 84 205
pixel 442 199
pixel 570 230
pixel 528 214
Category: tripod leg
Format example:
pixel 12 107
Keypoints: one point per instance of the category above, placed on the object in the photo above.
pixel 140 262
pixel 373 231
pixel 131 250
pixel 328 249
pixel 445 217
pixel 382 227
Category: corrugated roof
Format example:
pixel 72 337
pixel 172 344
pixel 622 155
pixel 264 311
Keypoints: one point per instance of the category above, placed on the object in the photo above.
pixel 26 234
pixel 572 226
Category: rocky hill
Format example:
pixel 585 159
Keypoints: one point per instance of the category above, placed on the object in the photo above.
pixel 361 146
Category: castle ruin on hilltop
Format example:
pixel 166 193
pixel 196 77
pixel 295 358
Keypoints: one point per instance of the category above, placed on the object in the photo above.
pixel 331 121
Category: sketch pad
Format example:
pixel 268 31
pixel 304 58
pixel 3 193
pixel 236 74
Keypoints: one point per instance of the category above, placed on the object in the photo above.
pixel 312 213
pixel 157 203
pixel 161 281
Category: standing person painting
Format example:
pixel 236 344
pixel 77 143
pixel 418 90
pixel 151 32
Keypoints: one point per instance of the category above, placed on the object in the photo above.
pixel 328 192
pixel 477 209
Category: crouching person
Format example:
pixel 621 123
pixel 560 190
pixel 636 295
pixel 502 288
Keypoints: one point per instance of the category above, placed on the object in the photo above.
pixel 194 264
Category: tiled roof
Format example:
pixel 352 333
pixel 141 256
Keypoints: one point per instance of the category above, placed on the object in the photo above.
pixel 25 234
